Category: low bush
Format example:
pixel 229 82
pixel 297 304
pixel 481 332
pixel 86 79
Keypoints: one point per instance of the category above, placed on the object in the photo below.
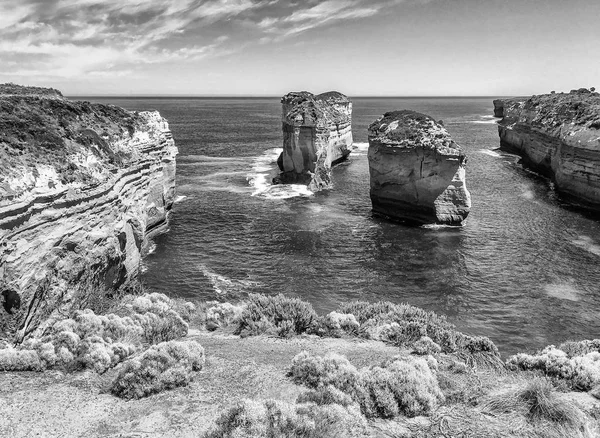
pixel 12 359
pixel 222 314
pixel 100 342
pixel 405 386
pixel 581 372
pixel 426 346
pixel 539 401
pixel 337 324
pixel 164 366
pixel 277 315
pixel 273 419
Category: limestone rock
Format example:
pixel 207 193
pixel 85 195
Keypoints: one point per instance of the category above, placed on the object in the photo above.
pixel 499 108
pixel 558 135
pixel 317 134
pixel 82 188
pixel 417 172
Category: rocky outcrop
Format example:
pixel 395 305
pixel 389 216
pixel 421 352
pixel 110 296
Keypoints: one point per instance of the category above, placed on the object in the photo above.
pixel 417 172
pixel 499 108
pixel 558 135
pixel 82 188
pixel 317 134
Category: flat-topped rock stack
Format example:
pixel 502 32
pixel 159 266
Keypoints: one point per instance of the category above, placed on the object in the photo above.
pixel 82 188
pixel 317 134
pixel 558 135
pixel 417 172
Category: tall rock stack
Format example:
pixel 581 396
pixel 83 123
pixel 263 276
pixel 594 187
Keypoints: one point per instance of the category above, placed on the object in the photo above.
pixel 558 135
pixel 417 172
pixel 317 134
pixel 82 188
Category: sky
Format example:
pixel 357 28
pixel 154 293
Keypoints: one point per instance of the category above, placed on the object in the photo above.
pixel 271 47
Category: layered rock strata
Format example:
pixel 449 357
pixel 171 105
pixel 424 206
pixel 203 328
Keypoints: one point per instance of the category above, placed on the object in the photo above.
pixel 317 134
pixel 82 188
pixel 417 172
pixel 558 135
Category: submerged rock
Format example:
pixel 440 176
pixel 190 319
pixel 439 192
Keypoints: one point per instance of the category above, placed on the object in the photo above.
pixel 317 134
pixel 417 172
pixel 558 135
pixel 82 188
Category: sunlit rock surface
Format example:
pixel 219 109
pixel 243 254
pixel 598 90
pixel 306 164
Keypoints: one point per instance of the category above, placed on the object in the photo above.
pixel 417 172
pixel 317 134
pixel 558 135
pixel 82 188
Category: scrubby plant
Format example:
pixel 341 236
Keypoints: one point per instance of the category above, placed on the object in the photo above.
pixel 164 366
pixel 580 348
pixel 270 419
pixel 539 401
pixel 223 314
pixel 278 315
pixel 12 359
pixel 426 346
pixel 581 372
pixel 336 324
pixel 100 342
pixel 400 386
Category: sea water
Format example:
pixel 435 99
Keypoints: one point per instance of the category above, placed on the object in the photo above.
pixel 523 270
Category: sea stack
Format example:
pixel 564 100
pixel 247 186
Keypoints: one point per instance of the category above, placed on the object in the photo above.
pixel 417 172
pixel 317 134
pixel 558 135
pixel 83 187
pixel 499 108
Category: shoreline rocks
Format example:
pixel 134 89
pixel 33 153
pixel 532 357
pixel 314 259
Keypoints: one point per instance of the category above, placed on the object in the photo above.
pixel 83 188
pixel 317 134
pixel 558 136
pixel 417 172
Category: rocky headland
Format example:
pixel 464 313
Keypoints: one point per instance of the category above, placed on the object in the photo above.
pixel 558 135
pixel 83 187
pixel 317 134
pixel 417 172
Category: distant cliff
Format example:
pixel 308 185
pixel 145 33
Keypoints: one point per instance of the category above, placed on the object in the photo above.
pixel 82 188
pixel 317 134
pixel 558 135
pixel 417 172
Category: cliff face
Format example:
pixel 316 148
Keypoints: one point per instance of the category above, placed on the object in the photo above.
pixel 317 134
pixel 499 108
pixel 417 172
pixel 558 135
pixel 82 188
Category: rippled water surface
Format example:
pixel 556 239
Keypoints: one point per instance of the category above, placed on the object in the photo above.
pixel 523 270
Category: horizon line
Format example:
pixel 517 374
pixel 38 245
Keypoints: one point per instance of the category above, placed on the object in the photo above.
pixel 273 96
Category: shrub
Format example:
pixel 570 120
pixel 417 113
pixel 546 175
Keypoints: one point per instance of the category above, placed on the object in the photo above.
pixel 223 314
pixel 580 348
pixel 164 366
pixel 12 359
pixel 277 315
pixel 538 401
pixel 101 342
pixel 337 324
pixel 400 386
pixel 425 346
pixel 270 419
pixel 581 372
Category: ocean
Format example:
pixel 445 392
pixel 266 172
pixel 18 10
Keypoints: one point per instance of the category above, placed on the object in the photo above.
pixel 523 270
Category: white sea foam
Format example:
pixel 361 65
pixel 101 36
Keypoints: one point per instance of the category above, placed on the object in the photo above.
pixel 587 243
pixel 490 153
pixel 180 198
pixel 223 285
pixel 563 290
pixel 360 146
pixel 264 168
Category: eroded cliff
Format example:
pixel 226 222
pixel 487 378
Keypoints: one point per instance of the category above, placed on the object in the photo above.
pixel 417 172
pixel 317 134
pixel 558 135
pixel 82 188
